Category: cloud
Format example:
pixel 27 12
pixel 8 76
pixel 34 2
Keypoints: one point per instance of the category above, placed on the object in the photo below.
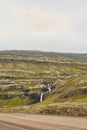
pixel 46 25
pixel 45 22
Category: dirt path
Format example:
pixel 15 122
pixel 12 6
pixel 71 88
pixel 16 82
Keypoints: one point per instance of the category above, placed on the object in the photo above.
pixel 41 122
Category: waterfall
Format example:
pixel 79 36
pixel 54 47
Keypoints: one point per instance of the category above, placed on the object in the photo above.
pixel 41 97
pixel 49 87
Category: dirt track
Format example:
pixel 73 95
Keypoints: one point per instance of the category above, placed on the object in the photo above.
pixel 40 122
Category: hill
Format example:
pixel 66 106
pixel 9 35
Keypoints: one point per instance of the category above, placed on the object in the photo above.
pixel 80 56
pixel 43 82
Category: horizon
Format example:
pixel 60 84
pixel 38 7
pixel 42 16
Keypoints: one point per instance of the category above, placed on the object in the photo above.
pixel 45 51
pixel 50 25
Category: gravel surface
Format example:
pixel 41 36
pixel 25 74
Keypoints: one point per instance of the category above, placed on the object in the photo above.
pixel 41 122
pixel 4 126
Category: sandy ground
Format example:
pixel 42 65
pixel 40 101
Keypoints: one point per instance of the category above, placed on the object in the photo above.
pixel 41 122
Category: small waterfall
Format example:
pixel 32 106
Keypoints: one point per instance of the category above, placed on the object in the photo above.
pixel 49 87
pixel 41 97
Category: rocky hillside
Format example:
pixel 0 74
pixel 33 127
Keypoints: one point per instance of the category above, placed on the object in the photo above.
pixel 39 82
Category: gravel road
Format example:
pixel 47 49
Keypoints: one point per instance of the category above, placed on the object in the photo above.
pixel 41 122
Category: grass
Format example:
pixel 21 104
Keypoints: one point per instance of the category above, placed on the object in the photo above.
pixel 14 102
pixel 79 97
pixel 68 75
pixel 17 102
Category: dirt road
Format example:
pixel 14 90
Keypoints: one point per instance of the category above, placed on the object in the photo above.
pixel 41 122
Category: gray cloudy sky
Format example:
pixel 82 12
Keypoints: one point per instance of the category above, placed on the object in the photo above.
pixel 49 25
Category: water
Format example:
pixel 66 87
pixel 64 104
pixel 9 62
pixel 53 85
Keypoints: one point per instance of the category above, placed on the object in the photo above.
pixel 41 97
pixel 49 88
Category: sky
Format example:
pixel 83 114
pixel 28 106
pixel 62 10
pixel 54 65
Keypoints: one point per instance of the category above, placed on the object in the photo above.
pixel 47 25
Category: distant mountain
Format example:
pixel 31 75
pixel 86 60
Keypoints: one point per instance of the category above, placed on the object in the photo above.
pixel 79 56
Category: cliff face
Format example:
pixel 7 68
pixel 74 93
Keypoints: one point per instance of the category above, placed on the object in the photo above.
pixel 25 76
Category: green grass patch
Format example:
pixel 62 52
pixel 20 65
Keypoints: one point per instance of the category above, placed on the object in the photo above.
pixel 79 97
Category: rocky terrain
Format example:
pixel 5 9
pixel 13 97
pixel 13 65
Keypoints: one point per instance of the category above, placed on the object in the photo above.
pixel 43 82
